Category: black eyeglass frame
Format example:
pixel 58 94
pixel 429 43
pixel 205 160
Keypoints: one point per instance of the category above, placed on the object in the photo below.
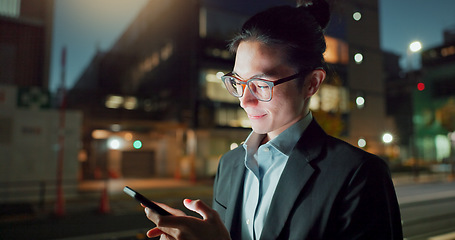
pixel 270 83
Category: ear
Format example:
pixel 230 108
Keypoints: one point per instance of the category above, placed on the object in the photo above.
pixel 314 81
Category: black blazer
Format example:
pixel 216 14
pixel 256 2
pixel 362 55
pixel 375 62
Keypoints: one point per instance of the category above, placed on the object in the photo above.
pixel 328 190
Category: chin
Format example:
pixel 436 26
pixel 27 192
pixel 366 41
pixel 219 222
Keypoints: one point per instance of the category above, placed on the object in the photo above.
pixel 260 130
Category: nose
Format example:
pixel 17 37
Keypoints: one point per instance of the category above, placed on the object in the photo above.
pixel 248 99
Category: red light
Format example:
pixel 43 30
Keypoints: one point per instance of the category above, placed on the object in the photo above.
pixel 420 86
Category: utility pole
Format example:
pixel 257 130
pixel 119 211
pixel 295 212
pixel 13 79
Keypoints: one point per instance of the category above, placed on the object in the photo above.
pixel 60 202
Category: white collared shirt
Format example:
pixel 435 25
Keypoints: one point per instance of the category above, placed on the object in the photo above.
pixel 264 164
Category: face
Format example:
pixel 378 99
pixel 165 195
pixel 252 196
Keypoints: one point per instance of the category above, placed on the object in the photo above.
pixel 288 104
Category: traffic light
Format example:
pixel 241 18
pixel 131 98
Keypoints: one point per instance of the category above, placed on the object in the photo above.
pixel 420 86
pixel 137 144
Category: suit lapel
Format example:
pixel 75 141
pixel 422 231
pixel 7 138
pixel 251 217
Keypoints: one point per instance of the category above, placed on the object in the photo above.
pixel 233 211
pixel 294 177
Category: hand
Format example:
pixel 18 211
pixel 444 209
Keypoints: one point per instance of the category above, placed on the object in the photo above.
pixel 179 226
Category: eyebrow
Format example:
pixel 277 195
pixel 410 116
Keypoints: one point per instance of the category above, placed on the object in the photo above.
pixel 271 73
pixel 261 75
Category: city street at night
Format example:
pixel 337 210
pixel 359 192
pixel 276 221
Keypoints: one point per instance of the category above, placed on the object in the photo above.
pixel 426 208
pixel 292 115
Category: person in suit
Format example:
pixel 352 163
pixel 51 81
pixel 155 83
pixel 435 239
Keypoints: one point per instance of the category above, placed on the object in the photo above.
pixel 289 180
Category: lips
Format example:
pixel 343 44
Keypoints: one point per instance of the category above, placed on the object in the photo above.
pixel 256 116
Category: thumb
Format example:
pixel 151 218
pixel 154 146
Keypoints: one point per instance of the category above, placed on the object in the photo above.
pixel 199 207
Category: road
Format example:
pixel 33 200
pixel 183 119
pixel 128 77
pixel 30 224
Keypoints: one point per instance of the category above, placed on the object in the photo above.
pixel 428 210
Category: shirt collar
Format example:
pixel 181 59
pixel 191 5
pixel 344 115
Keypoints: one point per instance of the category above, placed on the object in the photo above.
pixel 284 142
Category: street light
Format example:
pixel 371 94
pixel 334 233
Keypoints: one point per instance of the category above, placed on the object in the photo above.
pixel 415 46
pixel 387 138
pixel 361 142
pixel 114 143
pixel 360 102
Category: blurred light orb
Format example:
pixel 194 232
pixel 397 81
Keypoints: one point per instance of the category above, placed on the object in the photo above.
pixel 358 58
pixel 128 136
pixel 360 101
pixel 387 138
pixel 114 143
pixel 420 86
pixel 357 16
pixel 115 127
pixel 233 146
pixel 219 75
pixel 415 46
pixel 361 142
pixel 137 144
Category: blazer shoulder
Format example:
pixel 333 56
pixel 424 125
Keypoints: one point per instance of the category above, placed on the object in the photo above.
pixel 322 149
pixel 232 157
pixel 352 154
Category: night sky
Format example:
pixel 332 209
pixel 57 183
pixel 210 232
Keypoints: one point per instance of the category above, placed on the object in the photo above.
pixel 84 26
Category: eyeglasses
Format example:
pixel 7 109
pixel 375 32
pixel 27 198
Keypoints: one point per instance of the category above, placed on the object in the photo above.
pixel 260 88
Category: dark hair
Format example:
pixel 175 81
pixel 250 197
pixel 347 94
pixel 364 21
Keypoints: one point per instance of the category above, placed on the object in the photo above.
pixel 299 30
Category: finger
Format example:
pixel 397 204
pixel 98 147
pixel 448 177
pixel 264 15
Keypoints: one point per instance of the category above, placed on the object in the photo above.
pixel 173 211
pixel 200 207
pixel 163 221
pixel 154 232
pixel 166 237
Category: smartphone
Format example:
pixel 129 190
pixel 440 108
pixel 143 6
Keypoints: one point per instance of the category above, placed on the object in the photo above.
pixel 139 197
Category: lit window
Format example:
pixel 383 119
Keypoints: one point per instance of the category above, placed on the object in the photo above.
pixel 448 51
pixel 166 51
pixel 215 89
pixel 100 134
pixel 442 144
pixel 114 101
pixel 10 8
pixel 130 103
pixel 315 101
pixel 330 98
pixel 337 51
pixel 231 117
pixel 116 127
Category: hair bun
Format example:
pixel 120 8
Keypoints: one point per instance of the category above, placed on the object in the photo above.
pixel 319 9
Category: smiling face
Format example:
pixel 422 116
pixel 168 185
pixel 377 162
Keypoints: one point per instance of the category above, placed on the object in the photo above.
pixel 289 103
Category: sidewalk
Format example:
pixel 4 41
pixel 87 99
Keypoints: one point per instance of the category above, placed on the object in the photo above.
pixel 400 179
pixel 121 213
